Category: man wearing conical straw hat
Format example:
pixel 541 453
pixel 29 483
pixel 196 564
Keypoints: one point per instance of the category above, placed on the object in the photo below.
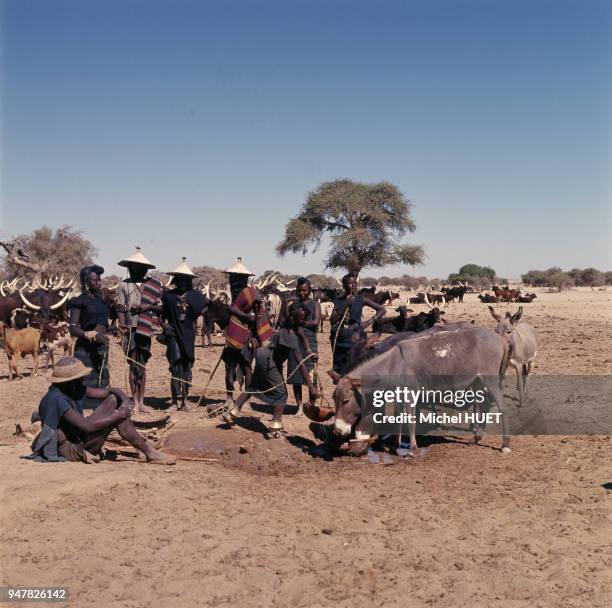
pixel 138 307
pixel 181 308
pixel 247 330
pixel 67 435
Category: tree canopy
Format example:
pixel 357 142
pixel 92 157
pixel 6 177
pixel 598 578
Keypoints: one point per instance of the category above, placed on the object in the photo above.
pixel 475 275
pixel 364 223
pixel 47 252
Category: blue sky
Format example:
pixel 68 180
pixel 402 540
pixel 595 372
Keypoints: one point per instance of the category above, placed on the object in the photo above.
pixel 197 128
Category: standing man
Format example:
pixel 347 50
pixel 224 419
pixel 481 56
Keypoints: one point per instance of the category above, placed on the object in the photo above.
pixel 181 308
pixel 247 330
pixel 268 383
pixel 89 325
pixel 138 306
pixel 346 321
pixel 312 320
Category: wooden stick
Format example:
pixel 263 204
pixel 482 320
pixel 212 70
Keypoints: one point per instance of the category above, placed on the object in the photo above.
pixel 196 459
pixel 210 379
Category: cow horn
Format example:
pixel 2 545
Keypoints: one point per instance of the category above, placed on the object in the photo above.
pixel 115 286
pixel 26 302
pixel 338 281
pixel 291 282
pixel 169 281
pixel 2 290
pixel 39 284
pixel 60 303
pixel 318 413
pixel 427 301
pixel 443 302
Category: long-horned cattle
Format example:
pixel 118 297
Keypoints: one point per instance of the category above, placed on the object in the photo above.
pixel 521 338
pixel 56 337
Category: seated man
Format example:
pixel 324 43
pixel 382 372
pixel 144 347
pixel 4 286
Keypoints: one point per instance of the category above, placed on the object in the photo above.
pixel 67 435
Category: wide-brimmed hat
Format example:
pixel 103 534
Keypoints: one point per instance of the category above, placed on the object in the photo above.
pixel 68 369
pixel 137 258
pixel 182 270
pixel 239 268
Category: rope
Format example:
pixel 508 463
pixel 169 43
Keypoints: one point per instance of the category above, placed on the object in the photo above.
pixel 218 389
pixel 346 310
pixel 104 358
pixel 125 363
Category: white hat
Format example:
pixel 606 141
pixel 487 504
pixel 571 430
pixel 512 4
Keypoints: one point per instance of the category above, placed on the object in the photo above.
pixel 183 270
pixel 239 268
pixel 137 258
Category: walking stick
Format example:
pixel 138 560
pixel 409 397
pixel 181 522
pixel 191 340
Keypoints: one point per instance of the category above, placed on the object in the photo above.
pixel 210 379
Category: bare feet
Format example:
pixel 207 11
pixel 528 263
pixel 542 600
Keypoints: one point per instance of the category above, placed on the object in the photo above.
pixel 157 457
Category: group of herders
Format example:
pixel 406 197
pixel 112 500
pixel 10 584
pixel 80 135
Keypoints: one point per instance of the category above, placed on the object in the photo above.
pixel 146 310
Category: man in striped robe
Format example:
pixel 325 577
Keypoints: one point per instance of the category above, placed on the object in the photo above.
pixel 138 306
pixel 247 330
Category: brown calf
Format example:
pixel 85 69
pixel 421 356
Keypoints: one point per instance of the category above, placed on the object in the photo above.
pixel 19 343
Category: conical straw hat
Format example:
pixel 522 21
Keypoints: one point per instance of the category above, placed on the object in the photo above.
pixel 137 258
pixel 239 268
pixel 182 269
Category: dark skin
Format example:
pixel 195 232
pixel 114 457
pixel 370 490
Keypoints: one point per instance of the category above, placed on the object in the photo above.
pixel 297 320
pixel 350 291
pixel 302 293
pixel 113 413
pixel 138 274
pixel 182 284
pixel 93 287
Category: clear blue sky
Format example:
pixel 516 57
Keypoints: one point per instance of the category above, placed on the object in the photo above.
pixel 196 128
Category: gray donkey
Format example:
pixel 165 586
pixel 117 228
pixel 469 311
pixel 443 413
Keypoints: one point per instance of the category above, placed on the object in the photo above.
pixel 521 339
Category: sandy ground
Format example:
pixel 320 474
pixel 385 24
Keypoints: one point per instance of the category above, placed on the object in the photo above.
pixel 269 525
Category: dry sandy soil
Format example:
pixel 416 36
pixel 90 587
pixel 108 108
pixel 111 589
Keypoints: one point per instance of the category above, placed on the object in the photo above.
pixel 270 525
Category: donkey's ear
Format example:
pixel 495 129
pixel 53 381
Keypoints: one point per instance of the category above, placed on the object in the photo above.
pixel 335 376
pixel 516 317
pixel 494 315
pixel 355 382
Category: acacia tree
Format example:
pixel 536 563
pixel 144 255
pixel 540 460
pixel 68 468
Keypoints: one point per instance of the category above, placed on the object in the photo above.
pixel 46 252
pixel 364 223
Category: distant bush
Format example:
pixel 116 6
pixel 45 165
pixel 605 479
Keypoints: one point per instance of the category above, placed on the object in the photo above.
pixel 556 277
